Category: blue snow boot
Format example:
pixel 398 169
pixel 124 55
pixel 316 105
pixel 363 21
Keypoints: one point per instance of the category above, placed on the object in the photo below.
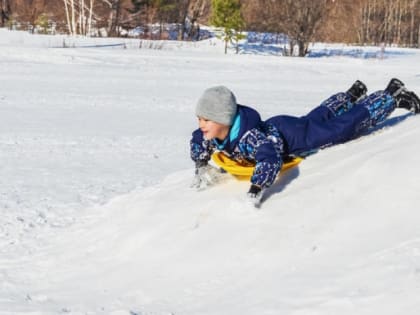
pixel 357 91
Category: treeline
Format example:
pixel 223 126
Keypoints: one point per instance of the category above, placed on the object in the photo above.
pixel 392 22
pixel 103 17
pixel 389 22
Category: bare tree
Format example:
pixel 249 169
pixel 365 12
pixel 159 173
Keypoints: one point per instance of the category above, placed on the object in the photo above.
pixel 79 16
pixel 90 16
pixel 4 12
pixel 30 12
pixel 391 22
pixel 142 13
pixel 412 21
pixel 198 11
pixel 298 19
pixel 303 19
pixel 117 11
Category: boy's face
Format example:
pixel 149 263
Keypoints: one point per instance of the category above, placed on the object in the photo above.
pixel 212 130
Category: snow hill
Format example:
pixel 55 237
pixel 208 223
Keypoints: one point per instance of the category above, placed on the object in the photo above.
pixel 97 216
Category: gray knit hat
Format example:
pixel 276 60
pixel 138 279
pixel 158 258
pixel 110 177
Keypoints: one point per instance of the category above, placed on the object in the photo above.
pixel 217 104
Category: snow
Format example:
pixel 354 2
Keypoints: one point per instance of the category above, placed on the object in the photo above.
pixel 97 213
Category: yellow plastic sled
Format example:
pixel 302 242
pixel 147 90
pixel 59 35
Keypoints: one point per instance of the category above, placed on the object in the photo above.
pixel 245 171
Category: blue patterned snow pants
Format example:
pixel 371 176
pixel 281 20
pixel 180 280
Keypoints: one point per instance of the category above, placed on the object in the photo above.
pixel 335 121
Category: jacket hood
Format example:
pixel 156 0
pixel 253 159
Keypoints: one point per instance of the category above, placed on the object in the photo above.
pixel 246 119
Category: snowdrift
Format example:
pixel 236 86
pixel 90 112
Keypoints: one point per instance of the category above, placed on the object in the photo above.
pixel 168 249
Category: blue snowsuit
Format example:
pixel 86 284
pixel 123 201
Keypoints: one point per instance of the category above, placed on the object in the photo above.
pixel 268 143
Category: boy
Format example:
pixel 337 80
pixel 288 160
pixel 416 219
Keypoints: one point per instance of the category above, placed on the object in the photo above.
pixel 239 132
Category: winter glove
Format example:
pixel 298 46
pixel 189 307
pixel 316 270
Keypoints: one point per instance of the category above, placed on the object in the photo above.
pixel 255 195
pixel 205 176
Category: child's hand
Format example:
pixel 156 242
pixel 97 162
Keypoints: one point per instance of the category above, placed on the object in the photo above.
pixel 205 176
pixel 197 181
pixel 255 195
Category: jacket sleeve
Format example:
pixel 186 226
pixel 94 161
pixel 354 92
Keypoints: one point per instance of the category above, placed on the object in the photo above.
pixel 200 149
pixel 266 153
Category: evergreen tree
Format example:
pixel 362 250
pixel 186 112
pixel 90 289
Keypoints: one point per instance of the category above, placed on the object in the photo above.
pixel 227 15
pixel 42 23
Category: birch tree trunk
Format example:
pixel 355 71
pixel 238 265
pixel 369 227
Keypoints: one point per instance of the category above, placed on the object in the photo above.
pixel 68 17
pixel 89 25
pixel 399 13
pixel 73 18
pixel 412 16
pixel 367 23
pixel 418 38
pixel 82 17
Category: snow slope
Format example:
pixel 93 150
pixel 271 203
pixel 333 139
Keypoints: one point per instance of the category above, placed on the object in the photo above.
pixel 97 216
